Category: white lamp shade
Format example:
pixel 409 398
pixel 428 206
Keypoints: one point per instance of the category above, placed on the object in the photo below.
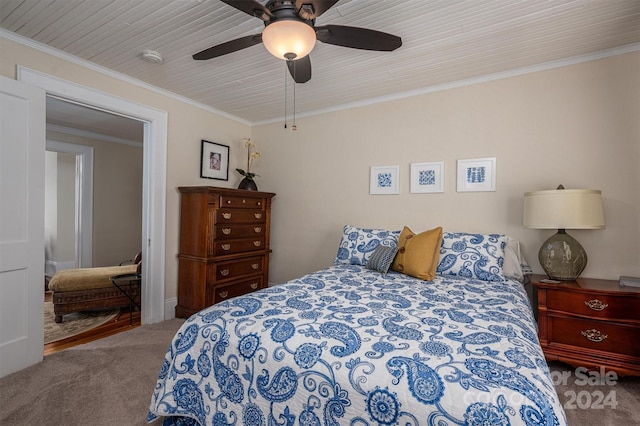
pixel 563 209
pixel 289 36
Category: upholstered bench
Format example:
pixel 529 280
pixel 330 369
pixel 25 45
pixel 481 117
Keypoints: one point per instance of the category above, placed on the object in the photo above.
pixel 75 290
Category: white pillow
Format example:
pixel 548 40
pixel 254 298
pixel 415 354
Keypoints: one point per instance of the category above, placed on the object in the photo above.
pixel 515 266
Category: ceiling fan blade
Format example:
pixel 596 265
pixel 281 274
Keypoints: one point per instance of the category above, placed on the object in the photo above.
pixel 318 7
pixel 300 69
pixel 358 38
pixel 250 7
pixel 228 47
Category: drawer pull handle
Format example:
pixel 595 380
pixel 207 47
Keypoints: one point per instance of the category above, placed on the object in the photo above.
pixel 258 215
pixel 259 203
pixel 228 201
pixel 226 231
pixel 224 294
pixel 594 335
pixel 255 266
pixel 257 229
pixel 257 243
pixel 224 272
pixel 595 304
pixel 226 247
pixel 254 286
pixel 226 215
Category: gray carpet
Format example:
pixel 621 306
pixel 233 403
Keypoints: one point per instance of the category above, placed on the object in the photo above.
pixel 109 382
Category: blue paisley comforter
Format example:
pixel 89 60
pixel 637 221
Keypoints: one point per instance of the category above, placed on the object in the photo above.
pixel 349 346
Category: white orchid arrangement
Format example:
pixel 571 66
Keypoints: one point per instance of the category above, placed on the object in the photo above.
pixel 252 154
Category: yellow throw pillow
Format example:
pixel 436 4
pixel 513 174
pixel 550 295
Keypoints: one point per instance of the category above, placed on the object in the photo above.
pixel 418 255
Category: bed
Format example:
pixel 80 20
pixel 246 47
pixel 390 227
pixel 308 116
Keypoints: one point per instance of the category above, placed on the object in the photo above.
pixel 360 343
pixel 84 289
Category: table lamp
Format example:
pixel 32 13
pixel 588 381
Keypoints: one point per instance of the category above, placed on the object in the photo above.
pixel 561 256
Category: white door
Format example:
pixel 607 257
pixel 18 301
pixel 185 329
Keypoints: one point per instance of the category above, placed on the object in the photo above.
pixel 22 147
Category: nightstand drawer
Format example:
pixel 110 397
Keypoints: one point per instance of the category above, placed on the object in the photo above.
pixel 593 334
pixel 594 305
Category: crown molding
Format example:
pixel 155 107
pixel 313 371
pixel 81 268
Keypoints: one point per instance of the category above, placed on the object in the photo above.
pixel 10 35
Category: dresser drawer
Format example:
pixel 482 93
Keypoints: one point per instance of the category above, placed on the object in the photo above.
pixel 594 334
pixel 229 231
pixel 223 216
pixel 241 202
pixel 224 247
pixel 594 305
pixel 238 288
pixel 237 268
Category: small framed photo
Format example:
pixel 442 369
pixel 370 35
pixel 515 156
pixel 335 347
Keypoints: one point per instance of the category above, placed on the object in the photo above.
pixel 214 161
pixel 427 177
pixel 384 180
pixel 478 174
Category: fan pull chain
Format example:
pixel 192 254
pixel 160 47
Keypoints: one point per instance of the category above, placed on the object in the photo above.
pixel 285 95
pixel 293 126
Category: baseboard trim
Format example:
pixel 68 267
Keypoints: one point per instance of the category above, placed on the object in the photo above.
pixel 170 308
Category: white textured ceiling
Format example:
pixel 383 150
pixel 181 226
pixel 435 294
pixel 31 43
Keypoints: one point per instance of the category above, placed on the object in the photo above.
pixel 443 42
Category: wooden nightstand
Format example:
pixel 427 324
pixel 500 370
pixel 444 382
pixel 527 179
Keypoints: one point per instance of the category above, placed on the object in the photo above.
pixel 590 323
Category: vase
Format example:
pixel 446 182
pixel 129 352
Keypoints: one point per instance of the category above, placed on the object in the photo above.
pixel 248 184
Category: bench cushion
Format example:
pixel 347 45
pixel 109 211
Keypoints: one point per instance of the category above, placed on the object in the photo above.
pixel 87 278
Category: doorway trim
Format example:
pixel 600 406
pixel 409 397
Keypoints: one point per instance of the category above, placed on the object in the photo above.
pixel 154 176
pixel 84 198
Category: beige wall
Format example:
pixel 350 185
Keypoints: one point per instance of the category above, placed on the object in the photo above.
pixel 577 125
pixel 187 126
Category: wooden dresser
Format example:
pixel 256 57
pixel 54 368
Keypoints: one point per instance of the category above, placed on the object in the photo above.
pixel 590 323
pixel 224 245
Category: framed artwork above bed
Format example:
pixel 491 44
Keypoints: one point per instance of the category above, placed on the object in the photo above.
pixel 384 180
pixel 477 174
pixel 427 177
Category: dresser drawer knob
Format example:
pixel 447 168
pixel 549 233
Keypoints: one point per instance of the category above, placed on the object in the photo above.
pixel 226 231
pixel 254 286
pixel 257 243
pixel 226 215
pixel 594 335
pixel 259 203
pixel 228 201
pixel 258 215
pixel 224 272
pixel 255 266
pixel 257 229
pixel 595 304
pixel 223 294
pixel 226 247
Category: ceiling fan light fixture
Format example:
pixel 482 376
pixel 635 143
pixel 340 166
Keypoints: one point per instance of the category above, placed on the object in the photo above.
pixel 284 37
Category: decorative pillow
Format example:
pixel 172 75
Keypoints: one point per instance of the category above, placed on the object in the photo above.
pixel 418 254
pixel 472 255
pixel 382 258
pixel 358 244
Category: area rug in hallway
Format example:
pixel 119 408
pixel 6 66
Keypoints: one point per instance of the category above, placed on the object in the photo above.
pixel 75 323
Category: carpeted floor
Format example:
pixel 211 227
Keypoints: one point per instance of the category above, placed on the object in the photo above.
pixel 110 381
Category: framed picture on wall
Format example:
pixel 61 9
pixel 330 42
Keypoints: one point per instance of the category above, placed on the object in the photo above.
pixel 214 161
pixel 427 177
pixel 478 174
pixel 384 180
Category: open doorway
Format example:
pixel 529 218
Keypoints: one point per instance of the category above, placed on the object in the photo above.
pixel 93 201
pixel 154 180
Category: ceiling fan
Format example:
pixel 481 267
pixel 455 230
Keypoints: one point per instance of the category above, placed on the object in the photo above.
pixel 290 33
